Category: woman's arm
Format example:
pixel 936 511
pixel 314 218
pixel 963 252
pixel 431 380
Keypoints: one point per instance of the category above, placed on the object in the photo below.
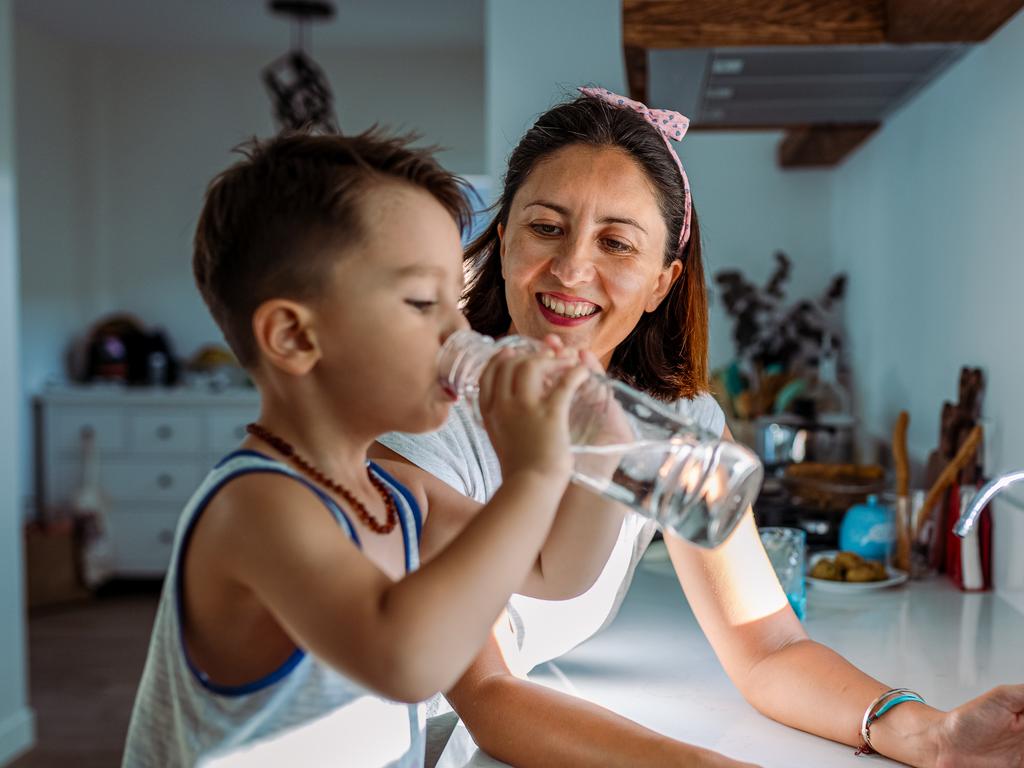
pixel 579 542
pixel 744 613
pixel 764 649
pixel 529 725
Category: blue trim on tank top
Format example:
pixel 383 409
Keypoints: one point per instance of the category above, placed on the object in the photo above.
pixel 243 452
pixel 393 485
pixel 414 507
pixel 298 654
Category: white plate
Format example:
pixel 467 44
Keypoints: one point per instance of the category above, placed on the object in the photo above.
pixel 896 576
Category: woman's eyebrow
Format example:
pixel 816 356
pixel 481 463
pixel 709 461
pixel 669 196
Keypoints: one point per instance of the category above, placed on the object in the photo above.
pixel 622 220
pixel 605 220
pixel 548 204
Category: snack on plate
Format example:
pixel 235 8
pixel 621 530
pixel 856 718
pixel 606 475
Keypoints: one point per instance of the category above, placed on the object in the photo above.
pixel 848 566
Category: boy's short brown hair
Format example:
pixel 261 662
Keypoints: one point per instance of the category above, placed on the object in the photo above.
pixel 271 222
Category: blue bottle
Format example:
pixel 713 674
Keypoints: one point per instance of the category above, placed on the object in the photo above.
pixel 868 530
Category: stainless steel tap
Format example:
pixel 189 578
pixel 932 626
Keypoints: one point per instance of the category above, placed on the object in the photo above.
pixel 991 488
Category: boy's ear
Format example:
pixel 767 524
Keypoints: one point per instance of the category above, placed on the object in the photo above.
pixel 286 336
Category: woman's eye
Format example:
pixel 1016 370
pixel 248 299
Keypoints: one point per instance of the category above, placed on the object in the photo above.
pixel 617 245
pixel 546 229
pixel 421 305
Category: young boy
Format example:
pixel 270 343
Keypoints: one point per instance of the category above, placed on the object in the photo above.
pixel 294 618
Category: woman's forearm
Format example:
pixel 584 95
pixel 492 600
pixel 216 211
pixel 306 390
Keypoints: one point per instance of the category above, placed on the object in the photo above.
pixel 579 543
pixel 531 726
pixel 809 686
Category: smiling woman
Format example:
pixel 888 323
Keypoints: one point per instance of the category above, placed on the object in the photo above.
pixel 596 216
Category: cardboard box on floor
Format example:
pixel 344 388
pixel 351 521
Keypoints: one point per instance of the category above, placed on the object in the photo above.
pixel 51 565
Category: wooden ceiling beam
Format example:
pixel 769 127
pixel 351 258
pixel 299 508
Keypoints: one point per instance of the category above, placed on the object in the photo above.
pixel 714 24
pixel 946 21
pixel 636 72
pixel 817 146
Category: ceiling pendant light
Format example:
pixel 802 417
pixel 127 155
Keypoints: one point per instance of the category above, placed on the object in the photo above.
pixel 299 89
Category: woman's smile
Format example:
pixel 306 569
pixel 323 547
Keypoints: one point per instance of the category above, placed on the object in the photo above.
pixel 564 310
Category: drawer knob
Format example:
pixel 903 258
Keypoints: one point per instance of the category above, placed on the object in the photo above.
pixel 166 537
pixel 164 432
pixel 164 480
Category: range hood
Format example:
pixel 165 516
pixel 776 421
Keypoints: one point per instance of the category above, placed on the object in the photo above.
pixel 827 72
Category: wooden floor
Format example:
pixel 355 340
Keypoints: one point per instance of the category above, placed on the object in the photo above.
pixel 84 667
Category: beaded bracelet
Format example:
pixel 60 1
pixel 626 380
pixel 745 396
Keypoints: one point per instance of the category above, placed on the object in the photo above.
pixel 884 703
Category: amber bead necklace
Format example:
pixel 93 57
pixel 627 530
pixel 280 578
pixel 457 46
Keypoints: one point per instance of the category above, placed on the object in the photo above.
pixel 285 448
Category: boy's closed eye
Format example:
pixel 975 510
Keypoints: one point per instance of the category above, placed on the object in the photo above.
pixel 423 305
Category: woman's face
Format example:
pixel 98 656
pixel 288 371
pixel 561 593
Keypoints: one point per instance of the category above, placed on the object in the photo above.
pixel 583 252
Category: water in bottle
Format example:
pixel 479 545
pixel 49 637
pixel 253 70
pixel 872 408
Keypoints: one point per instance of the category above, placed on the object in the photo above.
pixel 633 449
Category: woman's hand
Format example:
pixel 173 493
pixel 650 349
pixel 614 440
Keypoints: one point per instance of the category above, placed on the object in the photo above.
pixel 985 732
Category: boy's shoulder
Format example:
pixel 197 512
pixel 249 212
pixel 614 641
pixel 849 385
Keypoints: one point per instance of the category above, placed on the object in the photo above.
pixel 262 508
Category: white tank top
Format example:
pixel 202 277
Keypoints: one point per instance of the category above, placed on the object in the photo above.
pixel 303 713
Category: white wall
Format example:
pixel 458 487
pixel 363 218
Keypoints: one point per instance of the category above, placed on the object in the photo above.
pixel 749 208
pixel 536 53
pixel 112 202
pixel 116 147
pixel 16 720
pixel 56 222
pixel 927 216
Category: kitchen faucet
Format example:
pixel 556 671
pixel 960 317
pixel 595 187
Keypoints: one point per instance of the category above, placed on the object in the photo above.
pixel 991 488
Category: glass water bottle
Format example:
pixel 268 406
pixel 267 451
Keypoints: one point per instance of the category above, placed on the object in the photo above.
pixel 631 448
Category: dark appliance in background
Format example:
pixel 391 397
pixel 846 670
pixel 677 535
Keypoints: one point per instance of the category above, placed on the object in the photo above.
pixel 118 349
pixel 810 479
pixel 815 505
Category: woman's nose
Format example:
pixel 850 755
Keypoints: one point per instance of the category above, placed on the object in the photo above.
pixel 573 264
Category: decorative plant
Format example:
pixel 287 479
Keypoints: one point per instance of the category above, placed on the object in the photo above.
pixel 777 342
pixel 771 334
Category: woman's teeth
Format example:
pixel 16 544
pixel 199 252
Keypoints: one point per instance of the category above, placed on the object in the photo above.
pixel 568 308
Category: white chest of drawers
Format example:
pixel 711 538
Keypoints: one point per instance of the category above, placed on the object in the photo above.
pixel 154 448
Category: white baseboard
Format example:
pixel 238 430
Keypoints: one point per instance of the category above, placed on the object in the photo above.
pixel 17 734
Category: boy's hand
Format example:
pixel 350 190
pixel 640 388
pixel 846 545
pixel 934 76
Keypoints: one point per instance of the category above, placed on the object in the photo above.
pixel 524 402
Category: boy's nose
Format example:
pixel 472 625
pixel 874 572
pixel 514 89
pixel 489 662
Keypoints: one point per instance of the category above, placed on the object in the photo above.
pixel 458 323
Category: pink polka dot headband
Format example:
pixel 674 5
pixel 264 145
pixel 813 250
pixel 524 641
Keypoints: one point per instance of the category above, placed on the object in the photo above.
pixel 671 125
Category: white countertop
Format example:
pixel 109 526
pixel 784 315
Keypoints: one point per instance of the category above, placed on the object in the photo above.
pixel 653 664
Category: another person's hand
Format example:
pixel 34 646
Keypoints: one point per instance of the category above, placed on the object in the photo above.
pixel 986 732
pixel 524 402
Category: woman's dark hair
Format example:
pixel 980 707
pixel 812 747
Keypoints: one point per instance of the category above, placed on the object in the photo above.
pixel 666 354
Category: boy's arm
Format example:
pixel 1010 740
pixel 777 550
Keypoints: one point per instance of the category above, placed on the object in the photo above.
pixel 573 556
pixel 406 639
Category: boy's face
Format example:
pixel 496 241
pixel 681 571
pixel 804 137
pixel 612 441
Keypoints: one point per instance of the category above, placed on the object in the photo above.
pixel 392 301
